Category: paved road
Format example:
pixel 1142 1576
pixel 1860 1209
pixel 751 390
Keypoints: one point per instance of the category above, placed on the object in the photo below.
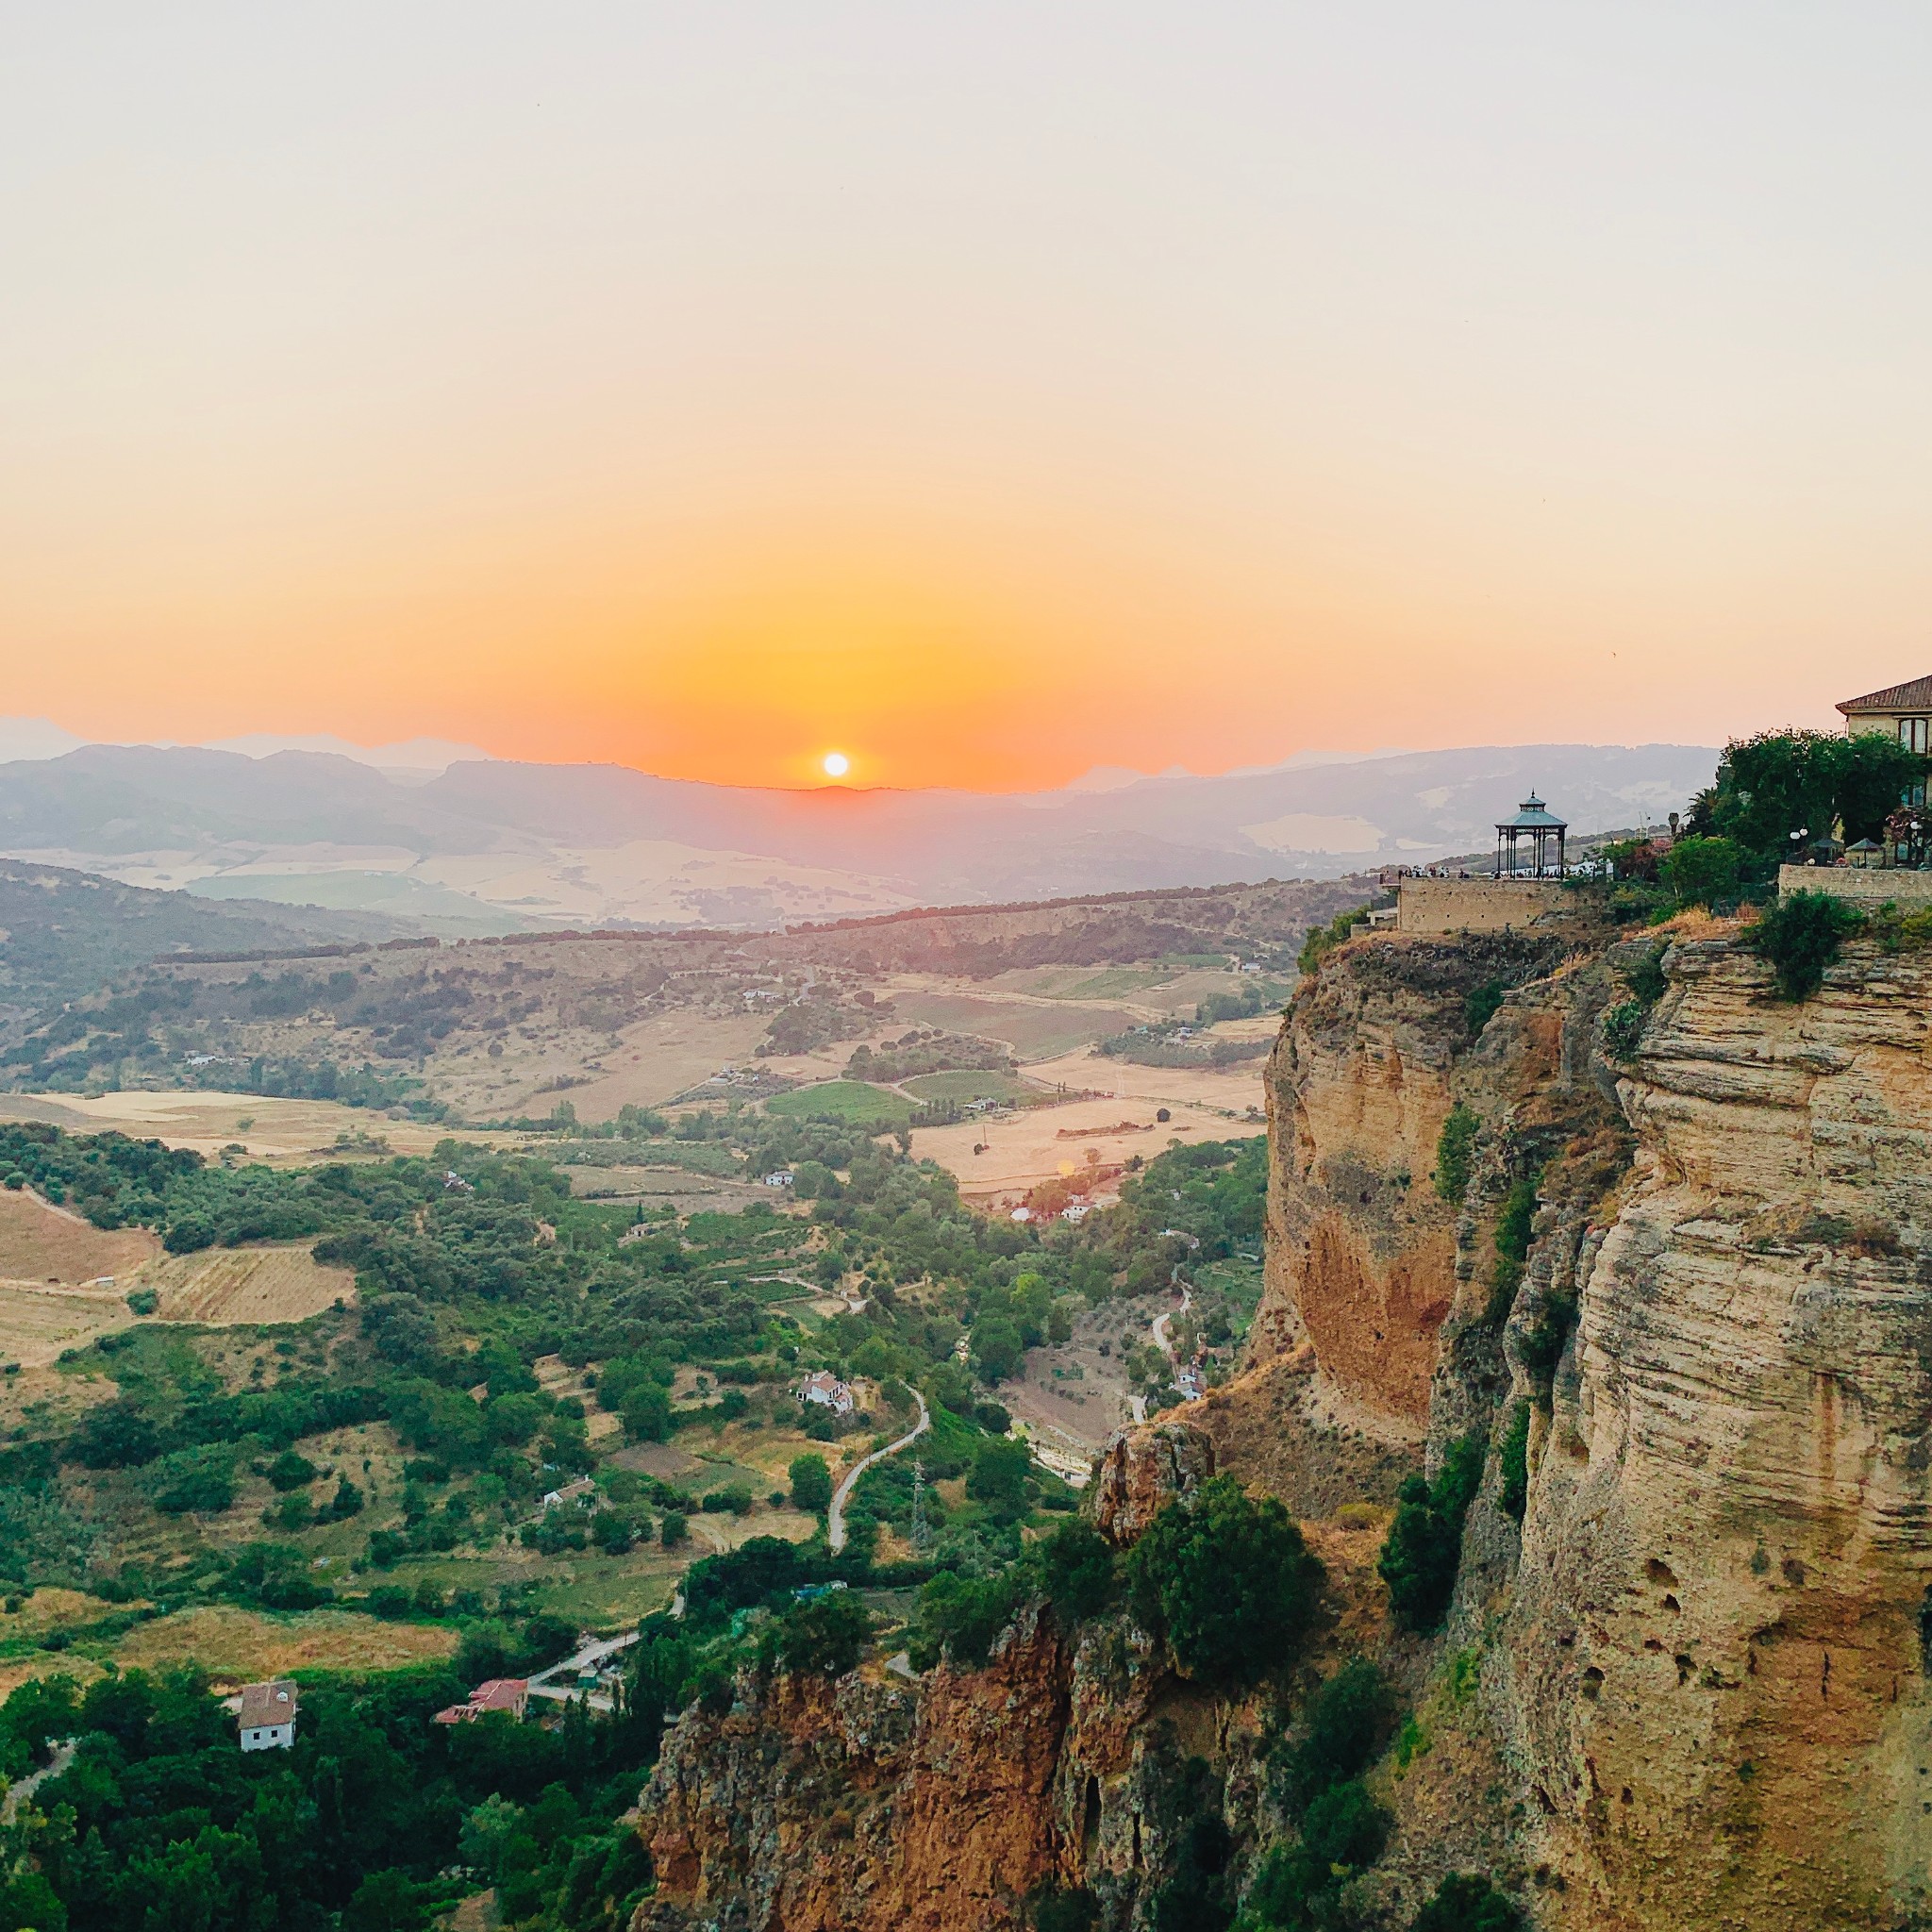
pixel 591 1655
pixel 835 1519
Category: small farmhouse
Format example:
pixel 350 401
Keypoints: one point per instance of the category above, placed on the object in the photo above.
pixel 267 1715
pixel 583 1493
pixel 508 1694
pixel 824 1388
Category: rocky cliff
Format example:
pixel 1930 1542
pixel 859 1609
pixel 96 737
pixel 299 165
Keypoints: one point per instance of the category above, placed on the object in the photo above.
pixel 1683 1680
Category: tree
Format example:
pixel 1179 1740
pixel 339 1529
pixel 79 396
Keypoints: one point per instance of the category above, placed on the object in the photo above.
pixel 1697 872
pixel 289 1471
pixel 1800 936
pixel 1467 1901
pixel 825 1634
pixel 647 1414
pixel 997 1477
pixel 1226 1582
pixel 1348 1720
pixel 1784 782
pixel 1423 1549
pixel 812 1484
pixel 998 1346
pixel 1078 1571
pixel 674 1529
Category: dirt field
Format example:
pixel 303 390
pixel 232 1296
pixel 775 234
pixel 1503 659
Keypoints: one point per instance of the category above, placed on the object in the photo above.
pixel 238 1646
pixel 51 1262
pixel 661 1057
pixel 286 1131
pixel 1022 1149
pixel 1075 1397
pixel 39 1242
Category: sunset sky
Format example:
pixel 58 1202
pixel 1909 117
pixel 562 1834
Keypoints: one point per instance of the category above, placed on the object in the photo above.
pixel 984 391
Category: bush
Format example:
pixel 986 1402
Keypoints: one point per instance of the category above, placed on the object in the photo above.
pixel 1800 936
pixel 1512 1496
pixel 1225 1582
pixel 1078 1572
pixel 1467 1901
pixel 1424 1550
pixel 1698 872
pixel 1624 1029
pixel 1074 1910
pixel 997 1477
pixel 1513 1228
pixel 1454 1151
pixel 647 1413
pixel 197 1480
pixel 1345 1826
pixel 1481 1005
pixel 825 1635
pixel 1349 1721
pixel 289 1471
pixel 812 1484
pixel 959 1617
pixel 675 1530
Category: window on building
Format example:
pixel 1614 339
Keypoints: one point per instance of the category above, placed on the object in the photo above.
pixel 1915 734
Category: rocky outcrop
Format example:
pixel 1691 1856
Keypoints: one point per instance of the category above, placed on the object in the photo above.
pixel 864 1804
pixel 1713 1659
pixel 1141 1470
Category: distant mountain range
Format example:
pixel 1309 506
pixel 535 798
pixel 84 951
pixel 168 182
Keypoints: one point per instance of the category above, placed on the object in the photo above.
pixel 489 845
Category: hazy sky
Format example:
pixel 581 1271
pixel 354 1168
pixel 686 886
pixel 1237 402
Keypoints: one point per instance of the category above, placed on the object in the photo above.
pixel 988 390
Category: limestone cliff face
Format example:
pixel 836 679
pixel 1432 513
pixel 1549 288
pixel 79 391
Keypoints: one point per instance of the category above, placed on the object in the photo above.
pixel 1713 1661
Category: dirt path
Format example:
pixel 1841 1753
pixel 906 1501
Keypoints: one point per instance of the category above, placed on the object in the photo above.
pixel 835 1518
pixel 18 1795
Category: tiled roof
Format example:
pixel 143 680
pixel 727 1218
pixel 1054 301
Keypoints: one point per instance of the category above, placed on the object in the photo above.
pixel 268 1704
pixel 1914 697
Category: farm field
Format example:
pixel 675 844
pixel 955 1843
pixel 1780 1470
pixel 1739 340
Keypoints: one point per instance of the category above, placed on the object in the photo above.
pixel 962 1083
pixel 1034 1028
pixel 842 1100
pixel 238 1645
pixel 281 1132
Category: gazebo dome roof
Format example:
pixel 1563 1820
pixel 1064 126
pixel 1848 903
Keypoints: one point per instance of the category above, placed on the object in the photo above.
pixel 1532 815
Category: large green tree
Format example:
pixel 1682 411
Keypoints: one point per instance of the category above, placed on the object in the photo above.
pixel 1781 783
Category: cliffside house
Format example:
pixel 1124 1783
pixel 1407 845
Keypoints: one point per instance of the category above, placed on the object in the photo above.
pixel 511 1694
pixel 826 1389
pixel 267 1717
pixel 1901 710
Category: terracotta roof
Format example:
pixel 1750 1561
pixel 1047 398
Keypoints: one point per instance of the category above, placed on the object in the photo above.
pixel 501 1693
pixel 1914 697
pixel 273 1703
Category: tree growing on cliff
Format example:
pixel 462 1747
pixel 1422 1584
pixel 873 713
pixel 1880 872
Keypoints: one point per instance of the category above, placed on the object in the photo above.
pixel 1467 1901
pixel 1800 936
pixel 1424 1550
pixel 1455 1152
pixel 1226 1582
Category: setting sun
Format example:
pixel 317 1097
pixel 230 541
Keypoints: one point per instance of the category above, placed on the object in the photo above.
pixel 836 764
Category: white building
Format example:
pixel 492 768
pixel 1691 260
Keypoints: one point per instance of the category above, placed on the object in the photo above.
pixel 268 1716
pixel 826 1389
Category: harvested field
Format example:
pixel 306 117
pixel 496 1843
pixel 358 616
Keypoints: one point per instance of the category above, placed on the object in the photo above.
pixel 39 1242
pixel 283 1131
pixel 38 1323
pixel 238 1646
pixel 1033 1029
pixel 221 1286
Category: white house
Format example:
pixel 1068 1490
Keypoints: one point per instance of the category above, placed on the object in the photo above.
pixel 268 1716
pixel 826 1389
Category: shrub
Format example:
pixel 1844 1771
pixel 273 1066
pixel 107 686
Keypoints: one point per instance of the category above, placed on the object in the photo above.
pixel 1800 936
pixel 647 1413
pixel 1697 872
pixel 1513 1228
pixel 1424 1550
pixel 1322 940
pixel 959 1617
pixel 825 1635
pixel 289 1471
pixel 1074 1910
pixel 1481 1005
pixel 812 1484
pixel 1078 1572
pixel 675 1530
pixel 1349 1720
pixel 734 1499
pixel 1467 1901
pixel 1512 1495
pixel 198 1480
pixel 1225 1582
pixel 1454 1151
pixel 1624 1029
pixel 1345 1826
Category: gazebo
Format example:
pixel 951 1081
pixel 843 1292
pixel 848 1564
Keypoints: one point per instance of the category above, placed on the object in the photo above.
pixel 1540 826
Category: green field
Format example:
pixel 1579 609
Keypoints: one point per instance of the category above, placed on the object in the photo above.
pixel 851 1101
pixel 962 1083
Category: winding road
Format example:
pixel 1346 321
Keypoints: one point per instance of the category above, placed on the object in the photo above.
pixel 835 1517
